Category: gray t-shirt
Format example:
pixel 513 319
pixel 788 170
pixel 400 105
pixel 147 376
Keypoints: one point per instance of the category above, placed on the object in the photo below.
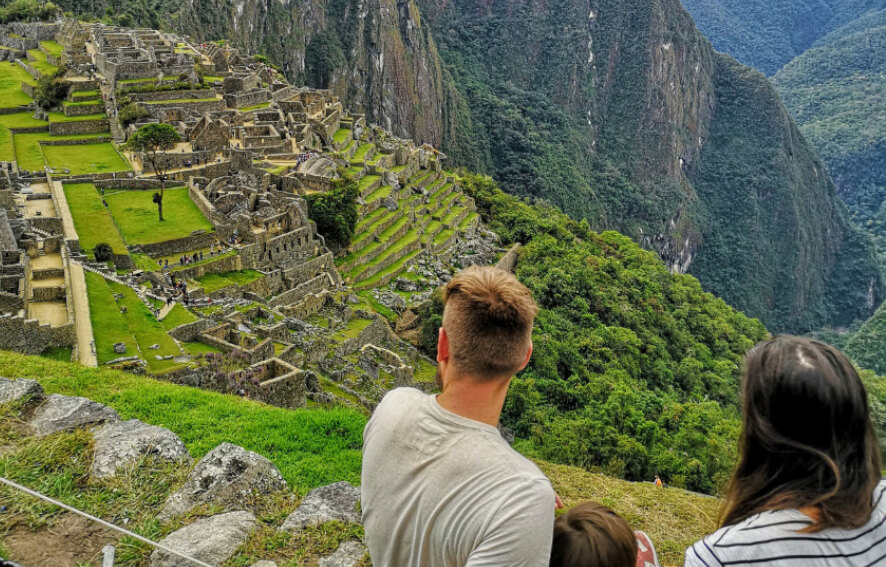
pixel 440 490
pixel 774 539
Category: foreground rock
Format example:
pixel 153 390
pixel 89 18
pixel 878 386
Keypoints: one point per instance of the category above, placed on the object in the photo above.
pixel 66 413
pixel 123 442
pixel 333 502
pixel 228 476
pixel 348 554
pixel 211 540
pixel 15 390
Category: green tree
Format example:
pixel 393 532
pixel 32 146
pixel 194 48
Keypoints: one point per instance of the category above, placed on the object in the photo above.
pixel 49 92
pixel 152 141
pixel 335 212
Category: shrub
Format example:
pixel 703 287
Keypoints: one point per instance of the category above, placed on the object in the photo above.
pixel 335 212
pixel 49 92
pixel 103 252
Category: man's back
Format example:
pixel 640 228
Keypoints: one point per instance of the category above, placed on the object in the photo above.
pixel 442 490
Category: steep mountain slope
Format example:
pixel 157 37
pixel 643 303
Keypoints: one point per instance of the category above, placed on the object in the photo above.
pixel 867 346
pixel 602 108
pixel 837 93
pixel 621 112
pixel 766 34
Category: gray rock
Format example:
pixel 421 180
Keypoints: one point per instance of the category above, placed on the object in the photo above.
pixel 211 540
pixel 264 563
pixel 390 204
pixel 403 284
pixel 120 348
pixel 15 390
pixel 122 442
pixel 227 476
pixel 333 502
pixel 65 413
pixel 348 554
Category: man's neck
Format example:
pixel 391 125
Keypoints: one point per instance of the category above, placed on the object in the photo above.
pixel 478 401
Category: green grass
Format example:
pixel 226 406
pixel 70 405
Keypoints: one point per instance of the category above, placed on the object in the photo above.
pixel 86 158
pixel 62 354
pixel 366 181
pixel 215 282
pixel 212 79
pixel 380 193
pixel 91 219
pixel 144 262
pixel 17 120
pixel 341 135
pixel 360 154
pixel 178 316
pixel 52 47
pixel 11 78
pixel 310 447
pixel 353 329
pixel 256 106
pixel 207 259
pixel 40 63
pixel 86 94
pixel 108 324
pixel 392 269
pixel 180 100
pixel 136 215
pixel 60 117
pixel 146 330
pixel 29 153
pixel 79 102
pixel 200 348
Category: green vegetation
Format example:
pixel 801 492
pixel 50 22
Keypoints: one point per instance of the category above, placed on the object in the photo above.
pixel 341 135
pixel 180 101
pixel 85 158
pixel 60 117
pixel 61 354
pixel 335 212
pixel 867 346
pixel 134 212
pixel 215 282
pixel 255 107
pixel 108 325
pixel 26 11
pixel 152 141
pixel 52 48
pixel 29 152
pixel 146 330
pixel 91 218
pixel 11 78
pixel 37 59
pixel 178 316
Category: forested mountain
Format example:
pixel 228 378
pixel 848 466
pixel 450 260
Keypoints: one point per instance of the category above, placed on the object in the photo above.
pixel 767 34
pixel 618 111
pixel 837 93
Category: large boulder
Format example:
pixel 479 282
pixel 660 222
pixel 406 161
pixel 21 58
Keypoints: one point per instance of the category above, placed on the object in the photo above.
pixel 333 502
pixel 348 554
pixel 120 443
pixel 212 540
pixel 66 413
pixel 228 476
pixel 15 390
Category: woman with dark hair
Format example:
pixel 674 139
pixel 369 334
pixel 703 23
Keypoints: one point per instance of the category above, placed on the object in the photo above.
pixel 807 490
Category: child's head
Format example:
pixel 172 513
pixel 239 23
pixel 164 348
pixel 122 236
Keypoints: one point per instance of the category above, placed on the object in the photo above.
pixel 592 535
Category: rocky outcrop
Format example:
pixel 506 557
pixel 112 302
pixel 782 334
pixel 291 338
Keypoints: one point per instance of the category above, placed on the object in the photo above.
pixel 121 443
pixel 348 554
pixel 228 476
pixel 65 413
pixel 15 390
pixel 336 502
pixel 212 540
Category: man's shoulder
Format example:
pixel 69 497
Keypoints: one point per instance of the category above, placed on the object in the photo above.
pixel 399 397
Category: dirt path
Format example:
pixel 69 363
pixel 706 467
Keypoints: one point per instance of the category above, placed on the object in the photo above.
pixel 67 542
pixel 81 315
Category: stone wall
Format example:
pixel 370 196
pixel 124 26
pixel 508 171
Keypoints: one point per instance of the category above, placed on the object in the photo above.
pixel 11 303
pixel 176 160
pixel 226 264
pixel 137 184
pixel 378 332
pixel 169 95
pixel 79 127
pixel 311 304
pixel 82 142
pixel 298 293
pixel 179 245
pixel 297 275
pixel 28 336
pixel 190 332
pixel 159 109
pixel 247 98
pixel 84 109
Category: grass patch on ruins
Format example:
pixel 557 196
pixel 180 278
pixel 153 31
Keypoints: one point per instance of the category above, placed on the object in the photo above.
pixel 353 329
pixel 178 316
pixel 136 215
pixel 37 60
pixel 146 329
pixel 52 47
pixel 85 94
pixel 29 152
pixel 9 122
pixel 180 101
pixel 360 154
pixel 341 136
pixel 85 158
pixel 11 78
pixel 256 107
pixel 80 102
pixel 108 324
pixel 91 219
pixel 144 262
pixel 62 354
pixel 310 447
pixel 200 348
pixel 215 282
pixel 366 181
pixel 60 116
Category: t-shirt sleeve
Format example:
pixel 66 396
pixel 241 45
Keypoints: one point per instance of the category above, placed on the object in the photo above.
pixel 521 533
pixel 701 555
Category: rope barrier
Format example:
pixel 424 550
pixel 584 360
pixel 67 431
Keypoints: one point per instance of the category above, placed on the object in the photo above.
pixel 109 525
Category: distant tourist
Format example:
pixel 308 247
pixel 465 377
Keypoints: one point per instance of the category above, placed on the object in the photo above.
pixel 658 483
pixel 807 489
pixel 440 486
pixel 592 535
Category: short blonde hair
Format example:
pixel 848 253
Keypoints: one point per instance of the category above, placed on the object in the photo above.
pixel 488 320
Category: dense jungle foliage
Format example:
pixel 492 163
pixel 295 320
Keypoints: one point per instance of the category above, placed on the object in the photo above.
pixel 635 370
pixel 866 345
pixel 836 92
pixel 26 11
pixel 766 34
pixel 335 212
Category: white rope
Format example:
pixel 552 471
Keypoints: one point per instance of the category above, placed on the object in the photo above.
pixel 162 547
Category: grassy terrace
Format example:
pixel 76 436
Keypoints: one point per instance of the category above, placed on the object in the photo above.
pixel 366 181
pixel 91 219
pixel 341 135
pixel 80 102
pixel 86 158
pixel 410 237
pixel 360 154
pixel 29 152
pixel 256 107
pixel 60 117
pixel 215 282
pixel 17 120
pixel 207 259
pixel 85 94
pixel 52 48
pixel 381 193
pixel 181 101
pixel 37 60
pixel 11 78
pixel 178 316
pixel 136 215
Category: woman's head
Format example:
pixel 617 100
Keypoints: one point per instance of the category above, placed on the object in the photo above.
pixel 807 438
pixel 592 535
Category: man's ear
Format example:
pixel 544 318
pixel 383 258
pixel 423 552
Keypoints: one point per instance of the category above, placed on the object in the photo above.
pixel 528 356
pixel 442 346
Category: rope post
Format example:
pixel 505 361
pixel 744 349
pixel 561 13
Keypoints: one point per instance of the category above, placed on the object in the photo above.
pixel 108 556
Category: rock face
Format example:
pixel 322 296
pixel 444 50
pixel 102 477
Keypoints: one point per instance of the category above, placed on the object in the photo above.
pixel 333 502
pixel 15 390
pixel 65 413
pixel 348 554
pixel 211 540
pixel 229 476
pixel 120 443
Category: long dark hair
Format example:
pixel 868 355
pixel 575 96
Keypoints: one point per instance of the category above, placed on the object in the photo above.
pixel 807 439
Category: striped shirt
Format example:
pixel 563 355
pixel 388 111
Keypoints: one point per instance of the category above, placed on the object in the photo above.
pixel 774 539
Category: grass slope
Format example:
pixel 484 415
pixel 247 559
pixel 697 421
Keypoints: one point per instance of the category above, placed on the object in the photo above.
pixel 11 78
pixel 91 219
pixel 86 158
pixel 136 215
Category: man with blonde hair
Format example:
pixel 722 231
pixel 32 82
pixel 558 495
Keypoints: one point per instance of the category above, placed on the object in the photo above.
pixel 440 486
